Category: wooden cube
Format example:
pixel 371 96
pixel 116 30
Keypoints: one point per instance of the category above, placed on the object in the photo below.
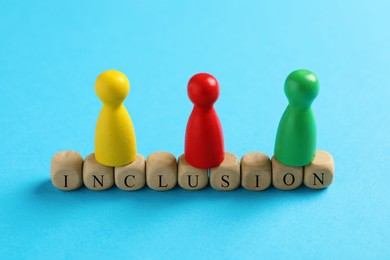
pixel 226 176
pixel 286 177
pixel 319 174
pixel 161 171
pixel 131 176
pixel 66 170
pixel 256 171
pixel 97 176
pixel 191 178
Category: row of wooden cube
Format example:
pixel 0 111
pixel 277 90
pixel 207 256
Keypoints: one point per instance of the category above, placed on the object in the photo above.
pixel 160 171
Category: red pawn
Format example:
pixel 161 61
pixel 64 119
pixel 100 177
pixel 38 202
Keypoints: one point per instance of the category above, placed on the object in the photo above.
pixel 204 146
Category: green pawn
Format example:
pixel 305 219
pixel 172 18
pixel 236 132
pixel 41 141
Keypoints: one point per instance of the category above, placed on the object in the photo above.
pixel 295 143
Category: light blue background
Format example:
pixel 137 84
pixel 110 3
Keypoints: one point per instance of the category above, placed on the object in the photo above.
pixel 51 54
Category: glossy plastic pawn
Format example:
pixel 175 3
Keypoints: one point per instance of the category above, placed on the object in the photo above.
pixel 204 145
pixel 295 143
pixel 115 143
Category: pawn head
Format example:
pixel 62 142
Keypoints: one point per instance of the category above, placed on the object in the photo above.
pixel 203 90
pixel 301 88
pixel 112 87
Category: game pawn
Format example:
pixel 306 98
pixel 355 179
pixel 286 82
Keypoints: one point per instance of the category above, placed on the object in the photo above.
pixel 204 145
pixel 296 137
pixel 115 143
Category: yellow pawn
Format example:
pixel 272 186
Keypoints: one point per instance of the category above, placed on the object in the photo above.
pixel 115 143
